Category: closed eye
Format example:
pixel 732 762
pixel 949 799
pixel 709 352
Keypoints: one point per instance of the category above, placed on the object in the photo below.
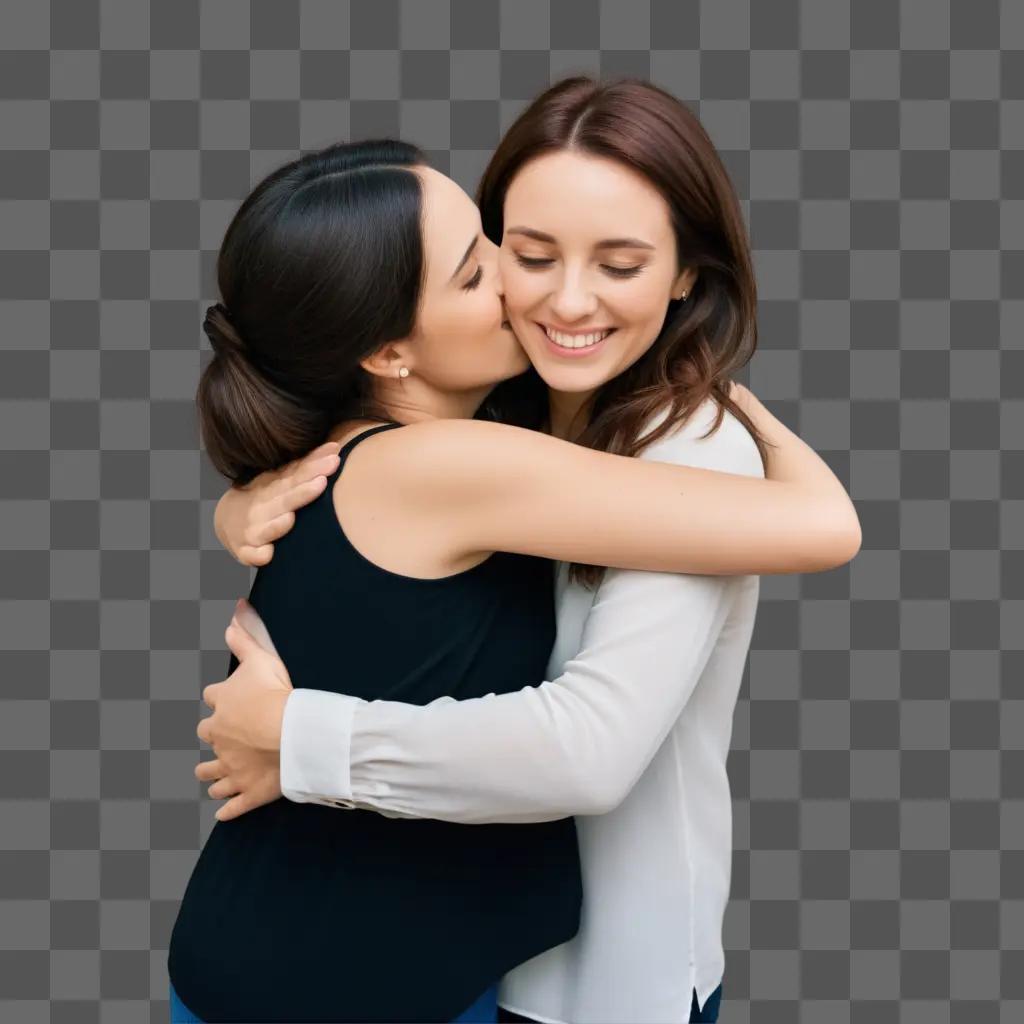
pixel 531 261
pixel 539 263
pixel 474 280
pixel 622 271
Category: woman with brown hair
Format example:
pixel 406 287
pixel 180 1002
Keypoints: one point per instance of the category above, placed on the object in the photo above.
pixel 627 280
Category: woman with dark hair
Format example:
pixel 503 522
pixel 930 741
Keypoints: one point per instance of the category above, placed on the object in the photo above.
pixel 420 568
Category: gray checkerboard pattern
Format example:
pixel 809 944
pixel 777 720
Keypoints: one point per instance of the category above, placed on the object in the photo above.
pixel 878 148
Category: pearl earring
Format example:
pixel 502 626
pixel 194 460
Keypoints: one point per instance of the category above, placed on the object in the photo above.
pixel 404 371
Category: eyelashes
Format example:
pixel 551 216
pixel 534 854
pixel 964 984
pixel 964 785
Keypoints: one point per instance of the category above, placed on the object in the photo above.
pixel 536 263
pixel 531 263
pixel 474 280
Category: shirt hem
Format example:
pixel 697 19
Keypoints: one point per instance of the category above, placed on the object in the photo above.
pixel 703 1000
pixel 532 1013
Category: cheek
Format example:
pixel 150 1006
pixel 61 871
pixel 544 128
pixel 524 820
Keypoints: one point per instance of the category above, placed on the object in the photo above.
pixel 523 289
pixel 484 306
pixel 468 314
pixel 641 304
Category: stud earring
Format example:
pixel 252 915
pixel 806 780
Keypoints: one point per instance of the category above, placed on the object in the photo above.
pixel 404 371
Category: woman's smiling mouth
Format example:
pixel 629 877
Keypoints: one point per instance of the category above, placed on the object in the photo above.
pixel 575 343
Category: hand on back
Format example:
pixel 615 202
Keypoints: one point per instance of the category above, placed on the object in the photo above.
pixel 250 518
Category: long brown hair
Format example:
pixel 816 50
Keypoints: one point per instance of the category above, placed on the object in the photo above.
pixel 705 338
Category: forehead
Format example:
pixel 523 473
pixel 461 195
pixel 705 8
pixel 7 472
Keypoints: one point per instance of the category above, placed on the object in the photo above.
pixel 584 194
pixel 450 219
pixel 444 198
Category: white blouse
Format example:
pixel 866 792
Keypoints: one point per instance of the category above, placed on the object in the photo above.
pixel 630 733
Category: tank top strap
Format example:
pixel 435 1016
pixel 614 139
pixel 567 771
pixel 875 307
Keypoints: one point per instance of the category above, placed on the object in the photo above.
pixel 346 448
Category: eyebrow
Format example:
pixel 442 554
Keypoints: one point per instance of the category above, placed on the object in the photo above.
pixel 465 256
pixel 605 243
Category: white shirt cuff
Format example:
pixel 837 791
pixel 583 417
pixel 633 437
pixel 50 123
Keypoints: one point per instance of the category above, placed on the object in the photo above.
pixel 316 735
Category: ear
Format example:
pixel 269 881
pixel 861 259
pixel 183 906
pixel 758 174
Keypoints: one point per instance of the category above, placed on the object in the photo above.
pixel 387 360
pixel 684 283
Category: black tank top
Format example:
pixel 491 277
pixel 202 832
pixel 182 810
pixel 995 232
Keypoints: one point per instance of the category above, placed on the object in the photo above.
pixel 301 912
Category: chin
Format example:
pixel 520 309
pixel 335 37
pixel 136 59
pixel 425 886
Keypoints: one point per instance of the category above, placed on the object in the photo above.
pixel 569 379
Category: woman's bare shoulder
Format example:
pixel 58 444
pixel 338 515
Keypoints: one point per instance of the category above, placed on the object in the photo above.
pixel 442 441
pixel 429 453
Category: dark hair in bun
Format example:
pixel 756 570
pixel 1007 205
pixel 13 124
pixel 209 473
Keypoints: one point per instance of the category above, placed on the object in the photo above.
pixel 218 328
pixel 321 265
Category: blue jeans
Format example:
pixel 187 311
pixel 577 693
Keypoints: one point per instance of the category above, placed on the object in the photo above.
pixel 483 1011
pixel 180 1013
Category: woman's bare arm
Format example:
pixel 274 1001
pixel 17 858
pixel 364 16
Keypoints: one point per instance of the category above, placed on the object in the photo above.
pixel 802 520
pixel 501 488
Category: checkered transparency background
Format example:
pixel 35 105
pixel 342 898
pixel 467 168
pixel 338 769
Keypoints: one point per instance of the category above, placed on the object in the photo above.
pixel 878 149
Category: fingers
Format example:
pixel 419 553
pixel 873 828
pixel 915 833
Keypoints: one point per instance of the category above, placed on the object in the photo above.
pixel 233 808
pixel 300 491
pixel 223 788
pixel 741 395
pixel 210 771
pixel 210 695
pixel 272 513
pixel 322 460
pixel 274 528
pixel 749 402
pixel 248 618
pixel 204 730
pixel 249 555
pixel 326 449
pixel 242 643
pixel 280 479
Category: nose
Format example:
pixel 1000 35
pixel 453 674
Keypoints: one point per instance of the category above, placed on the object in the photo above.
pixel 573 300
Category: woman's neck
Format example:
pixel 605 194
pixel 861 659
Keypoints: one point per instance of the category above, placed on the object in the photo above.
pixel 568 413
pixel 415 408
pixel 414 403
